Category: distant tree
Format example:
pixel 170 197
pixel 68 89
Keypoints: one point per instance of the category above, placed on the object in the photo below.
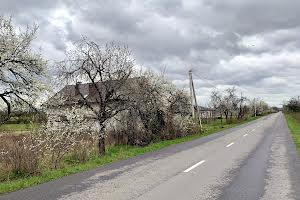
pixel 275 109
pixel 107 70
pixel 259 106
pixel 230 102
pixel 21 70
pixel 263 108
pixel 243 108
pixel 253 106
pixel 216 101
pixel 293 105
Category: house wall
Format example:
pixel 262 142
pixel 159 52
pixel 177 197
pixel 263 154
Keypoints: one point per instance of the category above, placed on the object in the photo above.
pixel 117 123
pixel 206 114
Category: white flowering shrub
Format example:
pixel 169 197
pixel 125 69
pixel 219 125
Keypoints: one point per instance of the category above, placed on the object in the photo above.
pixel 21 154
pixel 70 130
pixel 72 136
pixel 189 126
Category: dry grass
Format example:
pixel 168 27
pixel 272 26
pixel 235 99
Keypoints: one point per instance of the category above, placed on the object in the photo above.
pixel 19 156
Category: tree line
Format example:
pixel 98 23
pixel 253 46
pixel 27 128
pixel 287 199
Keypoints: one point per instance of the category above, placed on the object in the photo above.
pixel 293 105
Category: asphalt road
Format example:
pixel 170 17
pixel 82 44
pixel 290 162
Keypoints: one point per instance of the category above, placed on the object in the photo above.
pixel 257 160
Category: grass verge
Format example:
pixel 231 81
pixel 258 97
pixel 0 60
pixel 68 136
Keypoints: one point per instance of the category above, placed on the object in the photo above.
pixel 293 120
pixel 113 154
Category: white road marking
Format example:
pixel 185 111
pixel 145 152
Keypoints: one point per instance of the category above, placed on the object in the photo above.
pixel 194 166
pixel 232 143
pixel 253 129
pixel 245 135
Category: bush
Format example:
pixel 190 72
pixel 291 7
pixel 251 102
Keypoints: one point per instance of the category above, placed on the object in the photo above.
pixel 20 155
pixel 83 150
pixel 30 154
pixel 66 142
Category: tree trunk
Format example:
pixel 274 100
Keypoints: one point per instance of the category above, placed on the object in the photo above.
pixel 101 142
pixel 221 120
pixel 240 115
pixel 226 114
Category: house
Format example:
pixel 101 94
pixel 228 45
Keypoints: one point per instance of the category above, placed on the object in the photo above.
pixel 207 113
pixel 71 99
pixel 79 94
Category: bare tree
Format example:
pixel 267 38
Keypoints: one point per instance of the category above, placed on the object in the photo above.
pixel 107 70
pixel 21 70
pixel 263 108
pixel 242 107
pixel 230 101
pixel 216 100
pixel 254 105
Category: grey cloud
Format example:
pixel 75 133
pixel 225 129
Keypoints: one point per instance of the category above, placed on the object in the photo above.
pixel 212 37
pixel 257 16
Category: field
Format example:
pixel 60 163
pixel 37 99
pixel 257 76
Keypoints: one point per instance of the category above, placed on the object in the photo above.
pixel 114 153
pixel 17 128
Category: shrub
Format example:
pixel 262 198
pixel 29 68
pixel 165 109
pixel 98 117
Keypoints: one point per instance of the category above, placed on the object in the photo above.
pixel 21 155
pixel 83 149
pixel 68 131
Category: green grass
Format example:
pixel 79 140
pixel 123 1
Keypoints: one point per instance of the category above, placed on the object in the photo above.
pixel 293 120
pixel 113 154
pixel 17 128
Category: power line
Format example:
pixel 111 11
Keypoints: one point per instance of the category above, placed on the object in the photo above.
pixel 206 80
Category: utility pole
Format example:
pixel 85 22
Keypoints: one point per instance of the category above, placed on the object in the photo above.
pixel 193 95
pixel 254 107
pixel 241 106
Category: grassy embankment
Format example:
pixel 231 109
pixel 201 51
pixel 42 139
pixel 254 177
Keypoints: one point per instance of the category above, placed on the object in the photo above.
pixel 293 120
pixel 113 154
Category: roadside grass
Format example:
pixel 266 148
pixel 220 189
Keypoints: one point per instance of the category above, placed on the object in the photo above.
pixel 114 153
pixel 293 120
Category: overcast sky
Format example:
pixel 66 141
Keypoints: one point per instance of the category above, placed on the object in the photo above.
pixel 251 44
